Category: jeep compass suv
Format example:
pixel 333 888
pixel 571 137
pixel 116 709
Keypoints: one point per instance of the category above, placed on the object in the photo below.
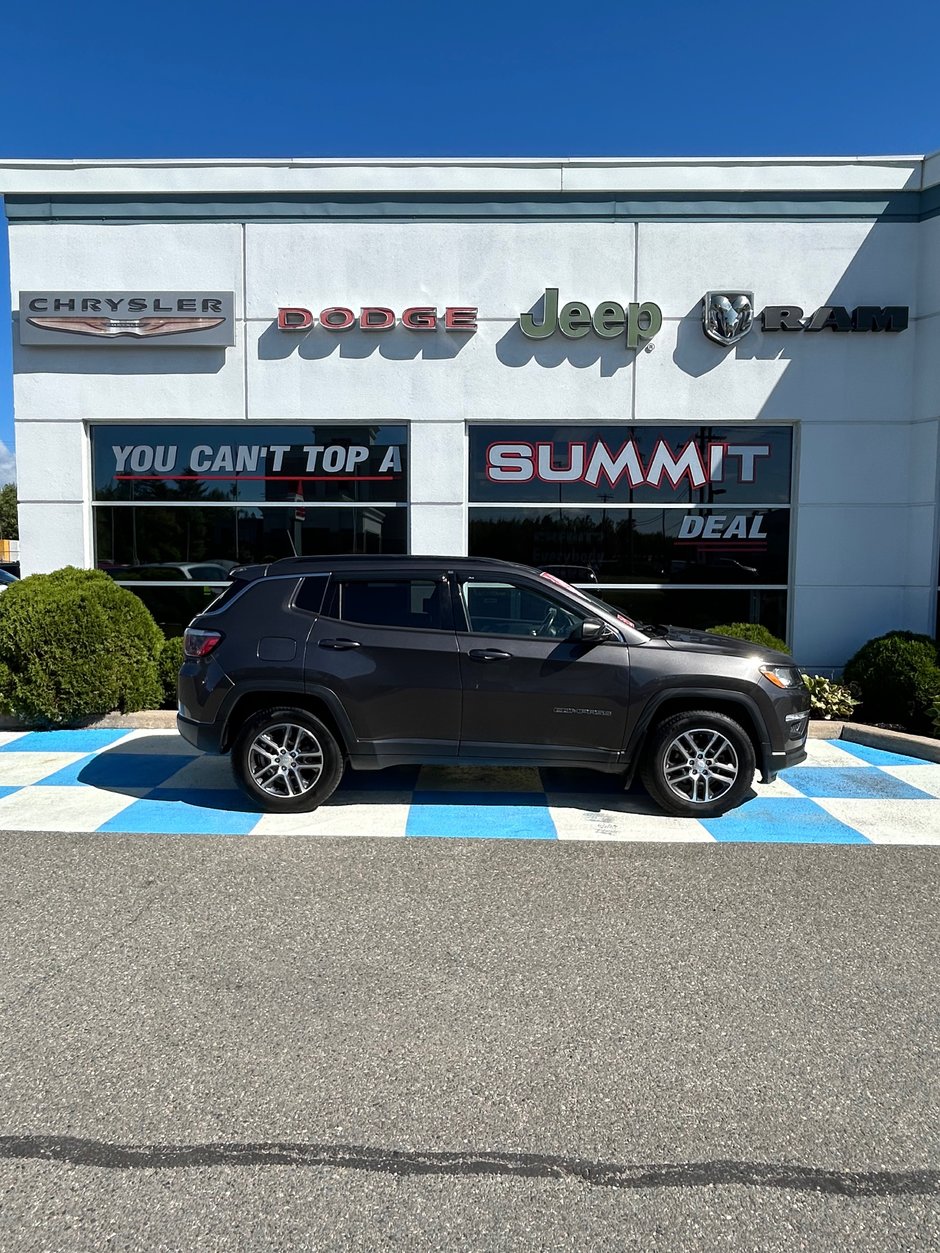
pixel 307 664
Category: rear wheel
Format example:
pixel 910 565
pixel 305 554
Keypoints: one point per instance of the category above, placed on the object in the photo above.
pixel 698 764
pixel 287 760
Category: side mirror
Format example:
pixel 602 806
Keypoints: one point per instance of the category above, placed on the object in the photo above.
pixel 592 631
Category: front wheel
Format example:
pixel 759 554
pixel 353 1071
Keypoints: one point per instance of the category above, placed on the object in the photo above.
pixel 287 761
pixel 698 764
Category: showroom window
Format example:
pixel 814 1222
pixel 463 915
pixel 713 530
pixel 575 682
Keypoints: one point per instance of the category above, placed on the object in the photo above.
pixel 176 508
pixel 685 524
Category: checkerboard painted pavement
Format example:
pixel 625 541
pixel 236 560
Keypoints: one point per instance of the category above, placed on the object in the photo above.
pixel 153 783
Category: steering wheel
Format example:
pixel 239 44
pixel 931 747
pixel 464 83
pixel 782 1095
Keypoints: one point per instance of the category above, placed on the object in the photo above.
pixel 548 624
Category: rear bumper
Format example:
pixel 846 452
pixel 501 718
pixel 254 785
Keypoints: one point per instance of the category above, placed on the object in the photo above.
pixel 206 736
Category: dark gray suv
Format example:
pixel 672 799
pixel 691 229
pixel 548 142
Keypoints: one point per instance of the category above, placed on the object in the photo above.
pixel 307 664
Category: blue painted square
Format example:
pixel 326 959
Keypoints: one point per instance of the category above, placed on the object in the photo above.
pixel 8 791
pixel 63 741
pixel 230 799
pixel 877 756
pixel 172 817
pixel 866 783
pixel 481 816
pixel 116 771
pixel 781 820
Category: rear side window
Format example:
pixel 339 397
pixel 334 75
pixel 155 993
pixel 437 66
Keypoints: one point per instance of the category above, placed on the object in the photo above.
pixel 309 596
pixel 418 604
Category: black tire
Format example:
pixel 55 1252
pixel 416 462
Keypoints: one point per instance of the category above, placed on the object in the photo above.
pixel 690 773
pixel 296 768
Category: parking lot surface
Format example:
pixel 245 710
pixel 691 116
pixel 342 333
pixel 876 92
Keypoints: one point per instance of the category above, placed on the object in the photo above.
pixel 153 783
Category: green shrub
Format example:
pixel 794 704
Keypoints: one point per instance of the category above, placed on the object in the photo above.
pixel 74 645
pixel 829 699
pixel 898 677
pixel 171 658
pixel 753 632
pixel 934 713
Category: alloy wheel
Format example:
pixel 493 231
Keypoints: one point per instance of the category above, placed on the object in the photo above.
pixel 700 765
pixel 285 760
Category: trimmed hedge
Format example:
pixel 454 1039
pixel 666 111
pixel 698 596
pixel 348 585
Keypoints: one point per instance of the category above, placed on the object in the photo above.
pixel 898 678
pixel 753 632
pixel 171 658
pixel 75 645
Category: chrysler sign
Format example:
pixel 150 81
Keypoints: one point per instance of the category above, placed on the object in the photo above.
pixel 126 319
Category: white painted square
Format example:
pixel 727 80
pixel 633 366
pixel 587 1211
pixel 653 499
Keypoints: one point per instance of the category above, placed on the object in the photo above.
pixel 772 791
pixel 926 777
pixel 76 809
pixel 143 742
pixel 826 753
pixel 889 821
pixel 7 737
pixel 19 769
pixel 356 814
pixel 578 816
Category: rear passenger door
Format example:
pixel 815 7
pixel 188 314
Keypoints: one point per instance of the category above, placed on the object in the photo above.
pixel 386 646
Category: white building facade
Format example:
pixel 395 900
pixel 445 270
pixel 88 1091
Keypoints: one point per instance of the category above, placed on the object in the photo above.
pixel 709 388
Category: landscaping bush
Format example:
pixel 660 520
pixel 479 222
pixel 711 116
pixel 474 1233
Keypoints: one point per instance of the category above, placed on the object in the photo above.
pixel 171 658
pixel 898 678
pixel 74 645
pixel 753 632
pixel 829 699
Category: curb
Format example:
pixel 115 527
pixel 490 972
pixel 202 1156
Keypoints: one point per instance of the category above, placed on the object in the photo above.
pixel 876 737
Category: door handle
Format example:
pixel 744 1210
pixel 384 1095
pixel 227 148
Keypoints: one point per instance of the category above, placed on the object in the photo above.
pixel 488 654
pixel 339 644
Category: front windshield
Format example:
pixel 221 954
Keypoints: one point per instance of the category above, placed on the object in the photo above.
pixel 590 600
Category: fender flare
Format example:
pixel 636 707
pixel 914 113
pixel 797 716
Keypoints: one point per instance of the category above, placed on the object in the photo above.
pixel 634 748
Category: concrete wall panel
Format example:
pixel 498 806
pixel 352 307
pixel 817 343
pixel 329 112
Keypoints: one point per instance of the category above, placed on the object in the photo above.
pixel 822 377
pixel 493 373
pixel 501 267
pixel 806 263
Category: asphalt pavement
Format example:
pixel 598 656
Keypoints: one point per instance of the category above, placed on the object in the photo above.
pixel 473 1045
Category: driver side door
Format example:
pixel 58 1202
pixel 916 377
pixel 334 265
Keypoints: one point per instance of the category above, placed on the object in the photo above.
pixel 530 692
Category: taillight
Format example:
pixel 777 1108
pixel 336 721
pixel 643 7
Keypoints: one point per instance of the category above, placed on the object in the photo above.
pixel 200 643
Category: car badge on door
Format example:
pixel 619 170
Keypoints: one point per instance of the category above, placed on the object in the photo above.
pixel 727 316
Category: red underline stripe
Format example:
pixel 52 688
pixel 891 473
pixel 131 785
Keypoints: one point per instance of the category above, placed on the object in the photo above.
pixel 267 478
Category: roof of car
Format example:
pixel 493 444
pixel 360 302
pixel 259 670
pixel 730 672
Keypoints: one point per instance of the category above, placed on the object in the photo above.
pixel 376 561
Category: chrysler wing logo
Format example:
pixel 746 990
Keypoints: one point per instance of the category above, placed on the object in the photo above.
pixel 136 328
pixel 727 316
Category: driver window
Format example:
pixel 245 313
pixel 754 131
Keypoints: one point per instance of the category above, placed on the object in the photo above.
pixel 508 609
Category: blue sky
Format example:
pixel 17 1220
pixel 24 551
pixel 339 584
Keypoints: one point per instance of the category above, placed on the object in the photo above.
pixel 479 78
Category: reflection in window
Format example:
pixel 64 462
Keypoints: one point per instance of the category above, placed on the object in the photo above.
pixel 200 544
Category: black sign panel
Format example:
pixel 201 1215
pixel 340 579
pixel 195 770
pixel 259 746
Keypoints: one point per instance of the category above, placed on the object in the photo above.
pixel 700 465
pixel 240 463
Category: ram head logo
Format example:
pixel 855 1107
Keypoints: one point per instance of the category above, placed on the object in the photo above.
pixel 727 316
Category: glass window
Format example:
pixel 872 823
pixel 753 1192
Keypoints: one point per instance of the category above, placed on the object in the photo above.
pixel 658 506
pixel 418 604
pixel 698 465
pixel 640 545
pixel 133 541
pixel 297 464
pixel 309 595
pixel 511 609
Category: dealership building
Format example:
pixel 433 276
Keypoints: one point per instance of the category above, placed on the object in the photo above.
pixel 709 388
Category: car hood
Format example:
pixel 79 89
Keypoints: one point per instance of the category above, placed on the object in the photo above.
pixel 726 645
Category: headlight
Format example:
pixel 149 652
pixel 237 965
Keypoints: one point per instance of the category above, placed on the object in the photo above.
pixel 783 676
